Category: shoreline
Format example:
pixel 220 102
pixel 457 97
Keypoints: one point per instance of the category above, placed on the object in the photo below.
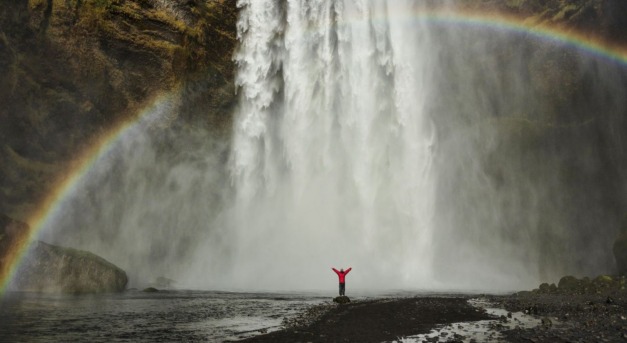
pixel 377 320
pixel 570 317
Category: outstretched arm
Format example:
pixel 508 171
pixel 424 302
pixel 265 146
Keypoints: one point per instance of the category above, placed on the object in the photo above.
pixel 348 270
pixel 336 271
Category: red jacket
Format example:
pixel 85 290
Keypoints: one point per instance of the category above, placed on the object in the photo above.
pixel 341 275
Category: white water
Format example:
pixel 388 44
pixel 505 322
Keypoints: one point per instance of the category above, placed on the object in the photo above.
pixel 335 162
pixel 333 149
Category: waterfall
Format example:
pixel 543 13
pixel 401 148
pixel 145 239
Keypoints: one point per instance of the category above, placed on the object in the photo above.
pixel 423 152
pixel 333 146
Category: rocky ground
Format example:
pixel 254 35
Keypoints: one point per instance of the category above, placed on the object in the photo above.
pixel 375 320
pixel 569 318
pixel 576 310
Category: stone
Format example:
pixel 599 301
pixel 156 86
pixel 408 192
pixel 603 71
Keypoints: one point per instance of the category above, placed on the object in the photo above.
pixel 341 300
pixel 603 282
pixel 609 300
pixel 150 290
pixel 552 288
pixel 568 283
pixel 54 269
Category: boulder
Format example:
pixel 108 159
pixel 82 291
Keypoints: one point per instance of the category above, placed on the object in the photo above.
pixel 150 290
pixel 604 282
pixel 342 299
pixel 568 283
pixel 51 268
pixel 54 269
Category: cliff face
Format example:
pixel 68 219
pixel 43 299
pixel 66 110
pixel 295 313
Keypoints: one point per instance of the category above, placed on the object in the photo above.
pixel 605 18
pixel 74 69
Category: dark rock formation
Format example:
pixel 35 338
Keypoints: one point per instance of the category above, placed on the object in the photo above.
pixel 150 290
pixel 341 300
pixel 50 268
pixel 73 70
pixel 602 284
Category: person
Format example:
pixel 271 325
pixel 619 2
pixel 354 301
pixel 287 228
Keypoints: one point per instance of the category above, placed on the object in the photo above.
pixel 341 274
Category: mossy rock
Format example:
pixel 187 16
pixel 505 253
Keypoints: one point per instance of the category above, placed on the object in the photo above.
pixel 602 282
pixel 150 290
pixel 342 300
pixel 568 283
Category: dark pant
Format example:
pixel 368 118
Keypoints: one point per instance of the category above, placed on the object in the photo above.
pixel 342 288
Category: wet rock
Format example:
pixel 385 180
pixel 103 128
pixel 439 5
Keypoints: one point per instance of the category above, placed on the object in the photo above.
pixel 609 300
pixel 532 310
pixel 150 290
pixel 341 299
pixel 547 322
pixel 50 268
pixel 55 269
pixel 568 283
pixel 603 282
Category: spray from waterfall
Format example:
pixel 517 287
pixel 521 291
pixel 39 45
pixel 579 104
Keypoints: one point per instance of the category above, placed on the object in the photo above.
pixel 423 151
pixel 333 147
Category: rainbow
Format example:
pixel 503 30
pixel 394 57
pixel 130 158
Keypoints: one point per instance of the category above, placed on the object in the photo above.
pixel 509 23
pixel 66 185
pixel 493 21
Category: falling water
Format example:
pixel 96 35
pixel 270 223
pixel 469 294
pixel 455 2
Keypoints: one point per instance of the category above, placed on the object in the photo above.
pixel 333 148
pixel 423 154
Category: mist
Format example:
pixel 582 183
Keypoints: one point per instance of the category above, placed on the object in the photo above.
pixel 424 154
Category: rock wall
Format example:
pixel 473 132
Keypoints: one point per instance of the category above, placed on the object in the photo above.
pixel 74 69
